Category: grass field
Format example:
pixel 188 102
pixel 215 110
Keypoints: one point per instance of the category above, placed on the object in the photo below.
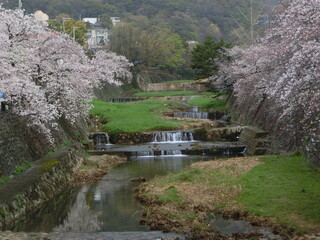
pixel 208 103
pixel 135 116
pixel 285 188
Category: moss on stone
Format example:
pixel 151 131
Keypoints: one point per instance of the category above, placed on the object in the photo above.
pixel 48 165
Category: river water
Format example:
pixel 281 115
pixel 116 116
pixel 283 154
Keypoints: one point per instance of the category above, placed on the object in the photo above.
pixel 109 205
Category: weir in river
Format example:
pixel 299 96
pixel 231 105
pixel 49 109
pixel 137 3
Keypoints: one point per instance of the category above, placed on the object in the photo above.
pixel 170 143
pixel 108 209
pixel 198 115
pixel 123 100
pixel 101 138
pixel 173 136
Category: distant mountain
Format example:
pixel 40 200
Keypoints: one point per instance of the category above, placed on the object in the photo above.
pixel 191 19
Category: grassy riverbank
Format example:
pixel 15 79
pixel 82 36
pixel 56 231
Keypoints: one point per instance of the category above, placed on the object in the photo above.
pixel 285 190
pixel 93 168
pixel 135 117
pixel 209 103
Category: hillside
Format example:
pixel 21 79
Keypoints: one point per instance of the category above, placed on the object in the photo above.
pixel 191 19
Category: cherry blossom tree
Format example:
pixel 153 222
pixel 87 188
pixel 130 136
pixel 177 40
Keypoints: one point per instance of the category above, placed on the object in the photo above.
pixel 47 76
pixel 277 81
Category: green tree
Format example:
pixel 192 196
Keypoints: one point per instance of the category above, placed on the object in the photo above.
pixel 105 21
pixel 204 57
pixel 136 44
pixel 174 50
pixel 77 30
pixel 152 48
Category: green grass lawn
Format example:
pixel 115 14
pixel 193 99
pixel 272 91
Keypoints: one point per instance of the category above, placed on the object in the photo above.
pixel 171 93
pixel 283 187
pixel 208 103
pixel 286 187
pixel 135 116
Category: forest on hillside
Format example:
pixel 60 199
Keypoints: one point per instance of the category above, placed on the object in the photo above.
pixel 191 19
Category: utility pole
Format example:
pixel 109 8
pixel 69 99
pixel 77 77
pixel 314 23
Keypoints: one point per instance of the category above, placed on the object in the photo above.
pixel 20 5
pixel 74 32
pixel 63 26
pixel 21 14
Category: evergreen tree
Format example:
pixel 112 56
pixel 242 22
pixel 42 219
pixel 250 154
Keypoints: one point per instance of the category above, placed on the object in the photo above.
pixel 204 57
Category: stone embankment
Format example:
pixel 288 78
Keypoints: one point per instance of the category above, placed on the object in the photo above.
pixel 197 86
pixel 14 144
pixel 131 138
pixel 52 175
pixel 256 140
pixel 228 134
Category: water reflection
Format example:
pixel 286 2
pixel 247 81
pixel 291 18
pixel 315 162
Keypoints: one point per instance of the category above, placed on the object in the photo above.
pixel 107 206
pixel 80 217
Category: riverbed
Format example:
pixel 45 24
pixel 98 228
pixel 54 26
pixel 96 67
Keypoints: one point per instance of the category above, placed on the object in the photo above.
pixel 107 206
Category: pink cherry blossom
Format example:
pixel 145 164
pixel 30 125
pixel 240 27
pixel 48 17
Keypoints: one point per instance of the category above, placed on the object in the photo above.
pixel 276 81
pixel 46 76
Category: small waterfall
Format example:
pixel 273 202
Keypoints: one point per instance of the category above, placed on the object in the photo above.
pixel 101 138
pixel 122 100
pixel 198 115
pixel 195 109
pixel 152 153
pixel 180 136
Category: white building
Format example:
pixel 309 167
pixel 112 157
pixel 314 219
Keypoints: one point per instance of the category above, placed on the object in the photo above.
pixel 93 21
pixel 115 20
pixel 97 37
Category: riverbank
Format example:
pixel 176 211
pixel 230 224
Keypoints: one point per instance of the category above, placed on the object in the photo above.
pixel 93 168
pixel 278 192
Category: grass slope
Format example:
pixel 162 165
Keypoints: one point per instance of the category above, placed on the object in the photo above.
pixel 135 116
pixel 208 103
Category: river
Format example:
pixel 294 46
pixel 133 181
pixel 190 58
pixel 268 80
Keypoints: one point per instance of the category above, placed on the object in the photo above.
pixel 108 206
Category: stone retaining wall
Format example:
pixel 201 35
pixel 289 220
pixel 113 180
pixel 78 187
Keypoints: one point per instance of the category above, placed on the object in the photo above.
pixel 47 186
pixel 14 147
pixel 229 134
pixel 131 138
pixel 157 87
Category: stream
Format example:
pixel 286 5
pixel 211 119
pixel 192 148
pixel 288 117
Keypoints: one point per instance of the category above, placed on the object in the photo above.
pixel 109 209
pixel 109 205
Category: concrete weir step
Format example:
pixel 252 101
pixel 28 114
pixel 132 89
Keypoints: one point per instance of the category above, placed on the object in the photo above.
pixel 154 235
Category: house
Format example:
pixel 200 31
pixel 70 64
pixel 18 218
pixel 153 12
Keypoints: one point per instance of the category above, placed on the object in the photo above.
pixel 115 20
pixel 92 21
pixel 97 36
